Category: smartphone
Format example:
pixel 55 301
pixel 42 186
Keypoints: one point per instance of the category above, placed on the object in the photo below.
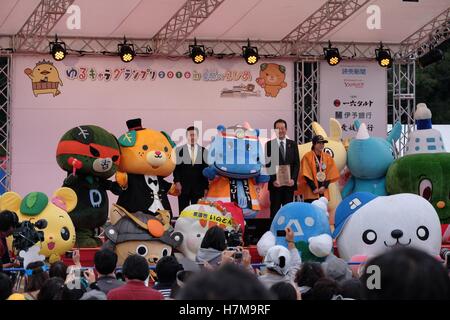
pixel 69 254
pixel 281 233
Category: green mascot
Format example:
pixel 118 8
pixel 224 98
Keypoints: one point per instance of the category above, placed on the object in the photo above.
pixel 90 155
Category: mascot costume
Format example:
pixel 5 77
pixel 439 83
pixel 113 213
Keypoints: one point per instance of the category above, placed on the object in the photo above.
pixel 367 225
pixel 89 155
pixel 309 222
pixel 235 168
pixel 146 161
pixel 139 233
pixel 425 168
pixel 368 159
pixel 53 215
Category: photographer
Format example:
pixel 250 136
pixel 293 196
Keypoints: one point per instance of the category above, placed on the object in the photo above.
pixel 8 221
pixel 282 264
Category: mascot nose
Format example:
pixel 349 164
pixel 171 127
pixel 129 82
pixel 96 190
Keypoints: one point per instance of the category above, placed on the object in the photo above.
pixel 158 153
pixel 397 234
pixel 440 204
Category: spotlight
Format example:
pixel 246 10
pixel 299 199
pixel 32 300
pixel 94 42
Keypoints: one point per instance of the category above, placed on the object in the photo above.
pixel 383 57
pixel 430 57
pixel 126 51
pixel 58 49
pixel 250 53
pixel 332 55
pixel 197 53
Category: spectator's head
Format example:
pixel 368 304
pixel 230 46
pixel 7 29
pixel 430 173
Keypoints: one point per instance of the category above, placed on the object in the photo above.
pixel 324 289
pixel 280 127
pixel 38 276
pixel 8 221
pixel 52 289
pixel 336 269
pixel 351 289
pixel 284 291
pixel 229 282
pixel 5 286
pixel 58 269
pixel 105 261
pixel 405 273
pixel 214 239
pixel 308 274
pixel 181 279
pixel 167 268
pixel 135 267
pixel 68 294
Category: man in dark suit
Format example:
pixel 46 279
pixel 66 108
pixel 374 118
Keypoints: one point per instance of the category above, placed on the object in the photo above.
pixel 188 176
pixel 281 151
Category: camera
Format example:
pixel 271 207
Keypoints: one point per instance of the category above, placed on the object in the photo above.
pixel 234 238
pixel 25 235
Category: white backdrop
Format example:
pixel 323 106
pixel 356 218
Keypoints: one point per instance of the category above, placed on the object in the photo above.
pixel 354 90
pixel 164 103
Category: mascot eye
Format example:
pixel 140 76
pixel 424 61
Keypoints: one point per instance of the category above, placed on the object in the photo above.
pixel 65 233
pixel 142 250
pixel 115 158
pixel 164 252
pixel 426 189
pixel 198 235
pixel 166 149
pixel 369 237
pixel 329 151
pixel 94 151
pixel 422 233
pixel 144 147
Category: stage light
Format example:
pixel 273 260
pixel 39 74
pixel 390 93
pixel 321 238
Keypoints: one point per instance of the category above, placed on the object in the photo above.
pixel 383 57
pixel 250 53
pixel 126 51
pixel 430 57
pixel 332 55
pixel 197 53
pixel 58 49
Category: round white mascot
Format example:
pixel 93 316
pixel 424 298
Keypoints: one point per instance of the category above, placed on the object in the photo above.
pixel 367 224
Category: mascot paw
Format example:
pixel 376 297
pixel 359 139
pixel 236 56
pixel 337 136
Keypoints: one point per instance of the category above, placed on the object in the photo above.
pixel 122 179
pixel 209 173
pixel 321 245
pixel 266 242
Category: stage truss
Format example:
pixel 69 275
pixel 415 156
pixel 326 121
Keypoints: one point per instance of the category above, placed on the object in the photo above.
pixel 5 125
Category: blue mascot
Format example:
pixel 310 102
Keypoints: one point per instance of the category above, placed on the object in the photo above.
pixel 309 222
pixel 368 159
pixel 235 168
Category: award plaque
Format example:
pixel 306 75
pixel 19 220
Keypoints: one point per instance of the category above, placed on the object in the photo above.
pixel 284 174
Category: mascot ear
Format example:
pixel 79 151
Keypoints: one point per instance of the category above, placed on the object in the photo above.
pixel 282 68
pixel 282 261
pixel 65 198
pixel 10 201
pixel 128 139
pixel 335 129
pixel 169 139
pixel 263 66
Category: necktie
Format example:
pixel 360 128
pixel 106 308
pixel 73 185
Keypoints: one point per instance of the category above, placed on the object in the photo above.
pixel 150 181
pixel 192 155
pixel 282 149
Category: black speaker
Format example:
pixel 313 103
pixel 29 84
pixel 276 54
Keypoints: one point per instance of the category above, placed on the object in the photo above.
pixel 254 229
pixel 433 56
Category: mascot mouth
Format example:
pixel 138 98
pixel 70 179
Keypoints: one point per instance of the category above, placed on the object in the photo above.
pixel 398 244
pixel 51 245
